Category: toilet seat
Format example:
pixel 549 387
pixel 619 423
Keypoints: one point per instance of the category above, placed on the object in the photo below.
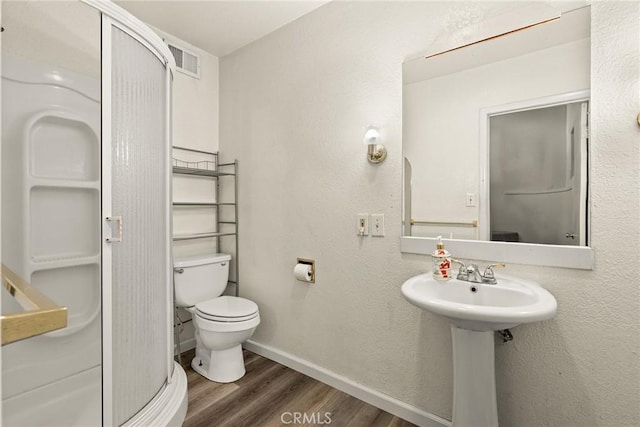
pixel 227 309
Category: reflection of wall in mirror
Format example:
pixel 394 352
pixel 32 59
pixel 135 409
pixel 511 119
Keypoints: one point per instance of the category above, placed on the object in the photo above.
pixel 441 125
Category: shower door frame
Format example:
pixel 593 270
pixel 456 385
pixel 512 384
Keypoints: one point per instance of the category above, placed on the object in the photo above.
pixel 113 16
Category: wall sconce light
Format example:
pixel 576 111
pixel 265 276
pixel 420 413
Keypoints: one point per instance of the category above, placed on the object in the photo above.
pixel 376 153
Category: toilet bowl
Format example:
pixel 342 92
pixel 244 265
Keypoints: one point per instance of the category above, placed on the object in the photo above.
pixel 222 323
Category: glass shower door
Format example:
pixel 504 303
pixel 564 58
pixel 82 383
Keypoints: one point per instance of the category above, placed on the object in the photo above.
pixel 137 234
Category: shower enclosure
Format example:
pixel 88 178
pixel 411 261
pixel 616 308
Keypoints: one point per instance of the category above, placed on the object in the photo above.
pixel 86 93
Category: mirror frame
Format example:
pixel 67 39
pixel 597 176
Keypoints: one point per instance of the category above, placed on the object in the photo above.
pixel 578 257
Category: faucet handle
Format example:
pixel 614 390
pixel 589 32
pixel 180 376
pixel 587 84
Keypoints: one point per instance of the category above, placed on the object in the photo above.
pixel 462 264
pixel 488 272
pixel 463 272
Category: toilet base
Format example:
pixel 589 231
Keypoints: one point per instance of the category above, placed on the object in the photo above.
pixel 221 366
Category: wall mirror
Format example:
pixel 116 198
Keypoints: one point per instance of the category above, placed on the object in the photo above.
pixel 496 144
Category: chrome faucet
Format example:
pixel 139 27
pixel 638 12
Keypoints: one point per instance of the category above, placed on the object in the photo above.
pixel 471 273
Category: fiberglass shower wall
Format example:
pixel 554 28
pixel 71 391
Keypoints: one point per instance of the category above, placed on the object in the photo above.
pixel 51 204
pixel 85 212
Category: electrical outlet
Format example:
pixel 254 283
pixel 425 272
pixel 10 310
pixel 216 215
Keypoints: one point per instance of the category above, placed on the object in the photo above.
pixel 377 225
pixel 362 224
pixel 472 200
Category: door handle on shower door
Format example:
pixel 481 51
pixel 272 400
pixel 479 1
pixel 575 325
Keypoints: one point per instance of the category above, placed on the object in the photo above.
pixel 117 220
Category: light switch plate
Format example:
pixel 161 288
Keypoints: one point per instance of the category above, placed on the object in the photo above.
pixel 472 199
pixel 377 225
pixel 362 224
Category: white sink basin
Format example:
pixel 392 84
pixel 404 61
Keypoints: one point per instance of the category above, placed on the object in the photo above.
pixel 481 307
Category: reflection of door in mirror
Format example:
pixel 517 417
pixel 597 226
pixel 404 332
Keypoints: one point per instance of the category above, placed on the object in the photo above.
pixel 538 167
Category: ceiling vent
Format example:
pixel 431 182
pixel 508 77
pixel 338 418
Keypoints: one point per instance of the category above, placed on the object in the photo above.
pixel 186 62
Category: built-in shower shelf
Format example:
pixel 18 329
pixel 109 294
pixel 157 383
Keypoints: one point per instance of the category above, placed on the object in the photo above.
pixel 63 183
pixel 63 145
pixel 64 260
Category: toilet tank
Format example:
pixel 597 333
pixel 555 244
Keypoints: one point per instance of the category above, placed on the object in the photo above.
pixel 200 277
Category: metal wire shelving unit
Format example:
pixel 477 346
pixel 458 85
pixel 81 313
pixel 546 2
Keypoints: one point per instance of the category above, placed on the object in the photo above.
pixel 214 170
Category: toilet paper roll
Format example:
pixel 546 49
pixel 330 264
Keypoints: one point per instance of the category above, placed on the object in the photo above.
pixel 302 272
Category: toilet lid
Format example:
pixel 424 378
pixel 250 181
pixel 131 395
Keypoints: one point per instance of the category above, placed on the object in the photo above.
pixel 227 309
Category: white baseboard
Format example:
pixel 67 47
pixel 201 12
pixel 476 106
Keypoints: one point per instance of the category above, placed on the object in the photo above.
pixel 359 391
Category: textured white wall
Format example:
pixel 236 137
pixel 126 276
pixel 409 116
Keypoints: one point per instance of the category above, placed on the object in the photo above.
pixel 293 107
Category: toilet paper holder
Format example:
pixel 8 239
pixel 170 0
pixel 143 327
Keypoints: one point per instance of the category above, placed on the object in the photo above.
pixel 312 263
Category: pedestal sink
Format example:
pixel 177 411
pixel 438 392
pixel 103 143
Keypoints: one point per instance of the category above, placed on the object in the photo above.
pixel 475 311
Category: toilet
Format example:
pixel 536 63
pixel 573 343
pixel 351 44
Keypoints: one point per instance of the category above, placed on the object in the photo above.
pixel 222 323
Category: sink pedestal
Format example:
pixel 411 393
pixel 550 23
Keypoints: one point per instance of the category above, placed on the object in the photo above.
pixel 474 381
pixel 478 307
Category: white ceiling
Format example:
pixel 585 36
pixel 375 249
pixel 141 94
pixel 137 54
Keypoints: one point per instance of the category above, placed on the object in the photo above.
pixel 219 27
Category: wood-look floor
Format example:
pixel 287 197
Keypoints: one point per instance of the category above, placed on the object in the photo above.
pixel 268 391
